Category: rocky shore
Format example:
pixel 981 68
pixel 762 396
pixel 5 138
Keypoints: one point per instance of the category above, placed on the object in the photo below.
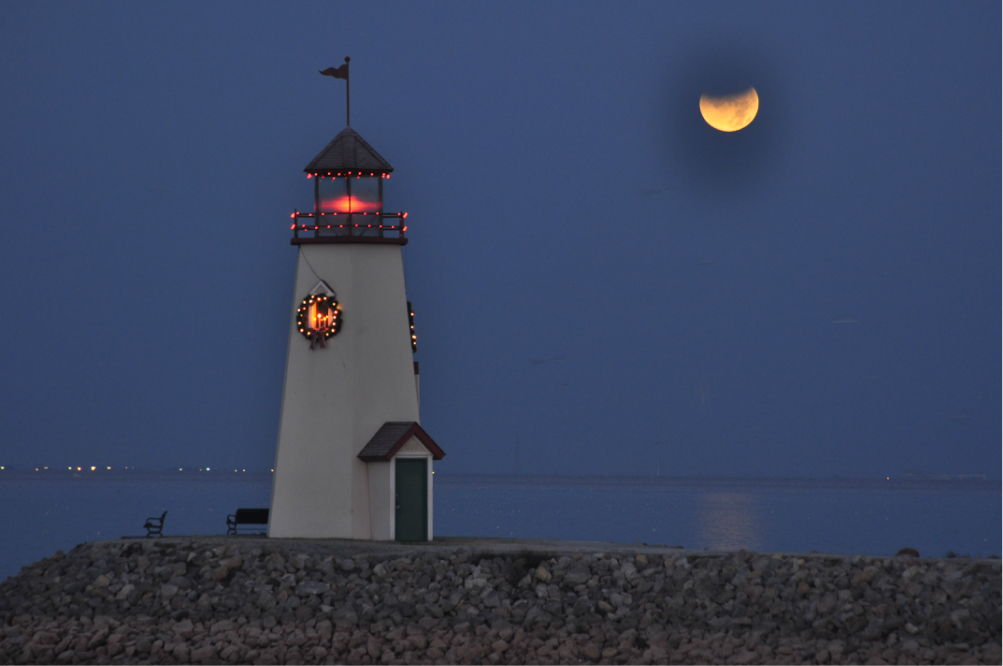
pixel 253 600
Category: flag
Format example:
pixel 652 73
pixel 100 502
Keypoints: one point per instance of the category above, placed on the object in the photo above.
pixel 337 72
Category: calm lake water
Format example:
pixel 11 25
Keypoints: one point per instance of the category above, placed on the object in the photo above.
pixel 45 512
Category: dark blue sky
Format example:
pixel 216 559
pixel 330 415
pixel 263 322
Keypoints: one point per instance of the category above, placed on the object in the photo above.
pixel 566 202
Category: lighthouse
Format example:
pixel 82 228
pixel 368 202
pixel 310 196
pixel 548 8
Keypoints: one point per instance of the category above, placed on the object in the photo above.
pixel 352 459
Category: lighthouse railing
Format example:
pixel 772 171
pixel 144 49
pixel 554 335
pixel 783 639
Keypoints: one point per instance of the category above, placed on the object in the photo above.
pixel 362 225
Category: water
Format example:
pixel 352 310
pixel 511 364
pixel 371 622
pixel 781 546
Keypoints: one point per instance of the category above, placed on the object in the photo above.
pixel 46 512
pixel 775 515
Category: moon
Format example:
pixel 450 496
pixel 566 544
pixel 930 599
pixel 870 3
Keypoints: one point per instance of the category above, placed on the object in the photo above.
pixel 732 112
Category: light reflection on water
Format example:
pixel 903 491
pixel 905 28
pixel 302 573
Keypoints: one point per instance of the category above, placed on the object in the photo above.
pixel 728 521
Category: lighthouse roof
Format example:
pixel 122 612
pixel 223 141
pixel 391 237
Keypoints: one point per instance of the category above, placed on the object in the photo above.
pixel 348 152
pixel 391 436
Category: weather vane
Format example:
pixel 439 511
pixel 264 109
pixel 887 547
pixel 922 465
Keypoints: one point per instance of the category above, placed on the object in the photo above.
pixel 342 73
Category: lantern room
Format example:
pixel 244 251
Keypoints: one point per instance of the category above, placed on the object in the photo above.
pixel 348 177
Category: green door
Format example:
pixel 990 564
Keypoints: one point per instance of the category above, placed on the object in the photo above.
pixel 412 499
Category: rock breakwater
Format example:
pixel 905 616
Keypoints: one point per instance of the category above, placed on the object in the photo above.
pixel 252 600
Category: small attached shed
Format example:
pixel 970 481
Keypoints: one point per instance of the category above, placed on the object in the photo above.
pixel 399 458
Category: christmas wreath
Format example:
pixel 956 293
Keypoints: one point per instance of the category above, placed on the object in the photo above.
pixel 318 318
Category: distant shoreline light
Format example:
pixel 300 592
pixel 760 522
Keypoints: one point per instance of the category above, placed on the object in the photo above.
pixel 110 468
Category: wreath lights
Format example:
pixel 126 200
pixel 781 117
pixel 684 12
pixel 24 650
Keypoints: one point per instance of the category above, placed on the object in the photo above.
pixel 318 318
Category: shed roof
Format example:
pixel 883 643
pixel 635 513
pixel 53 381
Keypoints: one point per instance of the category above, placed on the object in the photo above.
pixel 348 152
pixel 391 436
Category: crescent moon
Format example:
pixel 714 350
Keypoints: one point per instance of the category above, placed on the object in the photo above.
pixel 730 113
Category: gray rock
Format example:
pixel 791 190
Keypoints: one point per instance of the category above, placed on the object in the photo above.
pixel 204 654
pixel 309 587
pixel 577 576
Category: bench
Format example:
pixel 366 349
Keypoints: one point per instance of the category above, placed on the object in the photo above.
pixel 155 526
pixel 246 517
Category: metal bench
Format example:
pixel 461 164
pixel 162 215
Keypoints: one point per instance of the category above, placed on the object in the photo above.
pixel 247 517
pixel 155 526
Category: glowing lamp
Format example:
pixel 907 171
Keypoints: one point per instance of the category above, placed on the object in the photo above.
pixel 350 204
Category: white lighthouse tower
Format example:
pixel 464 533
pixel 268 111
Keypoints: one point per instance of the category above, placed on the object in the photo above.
pixel 352 460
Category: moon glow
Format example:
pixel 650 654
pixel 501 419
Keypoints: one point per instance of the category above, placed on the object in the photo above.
pixel 732 112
